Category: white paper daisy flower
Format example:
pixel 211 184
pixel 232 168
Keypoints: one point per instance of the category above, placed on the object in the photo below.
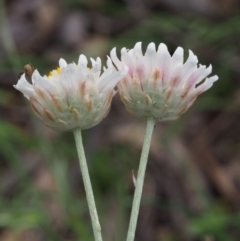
pixel 160 85
pixel 73 95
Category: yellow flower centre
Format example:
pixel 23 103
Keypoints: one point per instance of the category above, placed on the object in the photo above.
pixel 58 70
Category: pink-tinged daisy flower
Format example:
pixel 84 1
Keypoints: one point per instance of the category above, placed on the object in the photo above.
pixel 159 85
pixel 73 95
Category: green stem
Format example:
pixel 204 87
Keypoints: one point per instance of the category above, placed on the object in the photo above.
pixel 140 179
pixel 87 184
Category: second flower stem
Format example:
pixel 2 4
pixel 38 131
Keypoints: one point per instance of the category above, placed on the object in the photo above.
pixel 140 179
pixel 87 184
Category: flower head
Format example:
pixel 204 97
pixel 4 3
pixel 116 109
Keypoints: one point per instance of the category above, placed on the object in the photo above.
pixel 72 95
pixel 160 85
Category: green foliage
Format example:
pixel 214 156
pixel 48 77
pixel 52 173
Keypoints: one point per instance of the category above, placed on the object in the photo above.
pixel 216 222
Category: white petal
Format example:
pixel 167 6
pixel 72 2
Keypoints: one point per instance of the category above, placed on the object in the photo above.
pixel 109 62
pixel 35 75
pixel 213 79
pixel 106 71
pixel 96 68
pixel 176 76
pixel 42 83
pixel 138 48
pixel 62 63
pixel 23 86
pixel 111 80
pixel 126 58
pixel 93 62
pixel 150 59
pixel 151 48
pixel 192 58
pixel 67 80
pixel 207 84
pixel 204 74
pixel 140 70
pixel 177 57
pixel 98 60
pixel 162 48
pixel 189 66
pixel 196 77
pixel 130 52
pixel 164 63
pixel 82 60
pixel 115 59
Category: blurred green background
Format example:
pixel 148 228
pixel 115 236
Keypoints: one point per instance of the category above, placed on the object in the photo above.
pixel 192 186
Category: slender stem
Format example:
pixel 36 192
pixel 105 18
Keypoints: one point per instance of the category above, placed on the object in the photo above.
pixel 140 180
pixel 87 184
